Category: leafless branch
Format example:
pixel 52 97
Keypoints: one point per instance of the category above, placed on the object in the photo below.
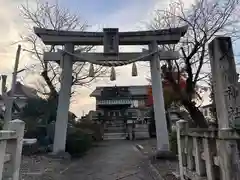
pixel 206 20
pixel 52 16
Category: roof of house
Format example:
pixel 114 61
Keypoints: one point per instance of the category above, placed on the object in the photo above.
pixel 24 91
pixel 134 90
pixel 207 106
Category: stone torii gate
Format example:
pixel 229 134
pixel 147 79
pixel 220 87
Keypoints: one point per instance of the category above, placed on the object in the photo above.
pixel 111 39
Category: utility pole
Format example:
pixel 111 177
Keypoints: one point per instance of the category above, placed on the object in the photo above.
pixel 10 98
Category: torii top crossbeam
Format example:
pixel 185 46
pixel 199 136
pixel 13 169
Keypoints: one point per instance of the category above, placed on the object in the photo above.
pixel 163 36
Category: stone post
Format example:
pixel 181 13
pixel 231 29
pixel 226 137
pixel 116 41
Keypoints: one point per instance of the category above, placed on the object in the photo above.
pixel 2 156
pixel 226 97
pixel 182 126
pixel 8 111
pixel 14 148
pixel 159 109
pixel 63 101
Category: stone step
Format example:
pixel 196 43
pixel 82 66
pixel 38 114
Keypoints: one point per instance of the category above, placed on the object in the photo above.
pixel 141 135
pixel 114 136
pixel 110 131
pixel 140 130
pixel 114 125
pixel 115 128
pixel 116 122
pixel 111 127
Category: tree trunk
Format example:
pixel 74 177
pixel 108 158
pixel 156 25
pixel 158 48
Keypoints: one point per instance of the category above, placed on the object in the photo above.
pixel 53 92
pixel 195 114
pixel 52 99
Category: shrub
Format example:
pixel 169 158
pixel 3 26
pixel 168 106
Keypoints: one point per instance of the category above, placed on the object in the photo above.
pixel 96 129
pixel 173 142
pixel 78 142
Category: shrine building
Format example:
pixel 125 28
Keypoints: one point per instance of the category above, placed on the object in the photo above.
pixel 116 106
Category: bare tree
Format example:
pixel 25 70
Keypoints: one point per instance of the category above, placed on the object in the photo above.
pixel 52 16
pixel 206 19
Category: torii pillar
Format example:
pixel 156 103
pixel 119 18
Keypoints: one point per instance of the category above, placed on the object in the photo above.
pixel 158 102
pixel 61 124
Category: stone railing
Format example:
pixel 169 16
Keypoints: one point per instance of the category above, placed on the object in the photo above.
pixel 201 154
pixel 11 142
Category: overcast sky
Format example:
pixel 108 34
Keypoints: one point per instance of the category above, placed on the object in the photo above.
pixel 124 14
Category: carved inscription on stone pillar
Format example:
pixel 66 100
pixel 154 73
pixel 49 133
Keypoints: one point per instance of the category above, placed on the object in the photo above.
pixel 225 81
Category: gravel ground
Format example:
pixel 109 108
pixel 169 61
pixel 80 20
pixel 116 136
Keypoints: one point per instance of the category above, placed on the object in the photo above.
pixel 39 167
pixel 165 168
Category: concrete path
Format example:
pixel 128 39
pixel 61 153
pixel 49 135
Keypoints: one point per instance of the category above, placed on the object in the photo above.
pixel 112 160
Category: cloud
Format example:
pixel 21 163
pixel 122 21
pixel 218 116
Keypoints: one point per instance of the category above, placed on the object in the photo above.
pixel 12 25
pixel 132 16
pixel 129 18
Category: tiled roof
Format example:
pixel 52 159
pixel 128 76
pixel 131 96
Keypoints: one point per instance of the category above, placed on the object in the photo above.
pixel 134 90
pixel 24 91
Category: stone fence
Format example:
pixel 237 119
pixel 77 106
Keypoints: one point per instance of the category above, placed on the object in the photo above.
pixel 11 142
pixel 201 156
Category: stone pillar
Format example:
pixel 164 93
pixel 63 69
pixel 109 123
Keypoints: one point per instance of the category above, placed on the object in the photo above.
pixel 14 147
pixel 63 101
pixel 158 100
pixel 225 79
pixel 8 110
pixel 226 97
pixel 182 126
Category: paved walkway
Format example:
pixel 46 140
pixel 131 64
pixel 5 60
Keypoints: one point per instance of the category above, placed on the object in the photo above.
pixel 112 160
